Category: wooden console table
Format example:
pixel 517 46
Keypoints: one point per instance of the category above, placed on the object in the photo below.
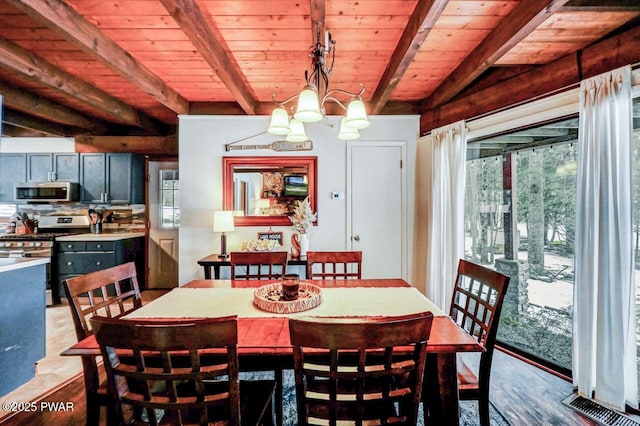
pixel 213 261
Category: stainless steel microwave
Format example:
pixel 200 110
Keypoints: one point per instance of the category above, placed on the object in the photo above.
pixel 47 192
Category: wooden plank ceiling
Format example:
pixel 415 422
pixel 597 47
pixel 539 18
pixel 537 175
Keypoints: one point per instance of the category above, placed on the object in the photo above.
pixel 130 67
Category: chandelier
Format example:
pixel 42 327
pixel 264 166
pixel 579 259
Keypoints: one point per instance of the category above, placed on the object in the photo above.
pixel 314 96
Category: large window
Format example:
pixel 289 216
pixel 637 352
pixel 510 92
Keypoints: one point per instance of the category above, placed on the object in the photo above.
pixel 520 210
pixel 520 219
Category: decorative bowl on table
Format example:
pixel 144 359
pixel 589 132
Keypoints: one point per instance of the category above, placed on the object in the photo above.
pixel 270 298
pixel 259 245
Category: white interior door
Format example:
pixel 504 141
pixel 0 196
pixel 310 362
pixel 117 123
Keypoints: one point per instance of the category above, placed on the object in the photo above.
pixel 164 219
pixel 376 207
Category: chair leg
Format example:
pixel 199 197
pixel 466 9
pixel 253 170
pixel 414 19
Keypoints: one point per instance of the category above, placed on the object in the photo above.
pixel 91 383
pixel 483 409
pixel 93 409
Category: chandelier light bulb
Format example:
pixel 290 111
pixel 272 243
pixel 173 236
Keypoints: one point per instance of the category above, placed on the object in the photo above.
pixel 297 133
pixel 347 133
pixel 356 115
pixel 279 122
pixel 308 106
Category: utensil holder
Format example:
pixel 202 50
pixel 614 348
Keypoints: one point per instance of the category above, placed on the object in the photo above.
pixel 96 228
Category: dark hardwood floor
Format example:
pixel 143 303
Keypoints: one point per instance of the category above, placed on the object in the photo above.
pixel 524 394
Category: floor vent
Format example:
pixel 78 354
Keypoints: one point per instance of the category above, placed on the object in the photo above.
pixel 598 413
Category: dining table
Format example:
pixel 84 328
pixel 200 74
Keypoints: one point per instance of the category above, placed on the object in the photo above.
pixel 263 337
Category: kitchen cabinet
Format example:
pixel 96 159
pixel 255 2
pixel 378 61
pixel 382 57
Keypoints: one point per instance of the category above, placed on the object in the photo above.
pixel 13 169
pixel 112 178
pixel 78 256
pixel 64 167
pixel 22 315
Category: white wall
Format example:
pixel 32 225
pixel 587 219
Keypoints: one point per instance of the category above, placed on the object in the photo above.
pixel 48 144
pixel 201 148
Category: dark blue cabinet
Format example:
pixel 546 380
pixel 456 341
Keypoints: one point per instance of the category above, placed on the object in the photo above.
pixel 13 169
pixel 64 167
pixel 112 178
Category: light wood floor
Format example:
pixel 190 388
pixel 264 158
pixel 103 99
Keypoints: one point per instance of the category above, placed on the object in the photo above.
pixel 524 394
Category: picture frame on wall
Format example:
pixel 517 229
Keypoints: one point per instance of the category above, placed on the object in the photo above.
pixel 271 235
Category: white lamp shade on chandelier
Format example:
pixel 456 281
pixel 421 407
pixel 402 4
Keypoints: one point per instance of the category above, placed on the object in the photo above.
pixel 279 122
pixel 347 133
pixel 356 115
pixel 308 110
pixel 296 134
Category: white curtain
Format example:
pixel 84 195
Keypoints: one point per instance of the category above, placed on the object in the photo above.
pixel 604 347
pixel 446 230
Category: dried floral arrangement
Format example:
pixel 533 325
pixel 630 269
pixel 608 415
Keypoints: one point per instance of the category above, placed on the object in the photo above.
pixel 303 218
pixel 259 245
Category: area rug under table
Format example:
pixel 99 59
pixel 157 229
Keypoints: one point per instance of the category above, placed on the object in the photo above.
pixel 468 409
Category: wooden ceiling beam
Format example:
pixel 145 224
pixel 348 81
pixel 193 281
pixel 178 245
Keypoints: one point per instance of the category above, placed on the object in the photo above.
pixel 602 6
pixel 144 145
pixel 36 69
pixel 521 21
pixel 564 72
pixel 220 108
pixel 74 27
pixel 9 130
pixel 206 37
pixel 421 21
pixel 37 106
pixel 35 124
pixel 265 108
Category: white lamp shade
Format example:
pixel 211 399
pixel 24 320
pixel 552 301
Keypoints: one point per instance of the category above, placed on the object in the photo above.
pixel 356 115
pixel 223 221
pixel 297 133
pixel 279 122
pixel 347 133
pixel 308 110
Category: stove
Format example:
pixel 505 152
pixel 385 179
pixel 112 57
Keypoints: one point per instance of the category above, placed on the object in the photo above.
pixel 42 244
pixel 40 236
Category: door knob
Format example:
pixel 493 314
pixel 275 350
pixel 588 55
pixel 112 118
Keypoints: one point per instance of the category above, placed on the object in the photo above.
pixel 356 237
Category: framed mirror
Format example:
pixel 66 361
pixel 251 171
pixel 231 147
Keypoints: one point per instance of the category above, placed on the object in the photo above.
pixel 264 190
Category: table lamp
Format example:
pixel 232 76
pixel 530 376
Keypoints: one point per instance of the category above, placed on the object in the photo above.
pixel 223 222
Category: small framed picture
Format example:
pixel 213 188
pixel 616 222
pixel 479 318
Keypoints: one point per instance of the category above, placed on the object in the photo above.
pixel 270 235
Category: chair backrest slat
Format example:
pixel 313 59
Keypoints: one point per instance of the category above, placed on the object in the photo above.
pixel 477 301
pixel 476 305
pixel 111 292
pixel 334 264
pixel 170 369
pixel 258 265
pixel 362 370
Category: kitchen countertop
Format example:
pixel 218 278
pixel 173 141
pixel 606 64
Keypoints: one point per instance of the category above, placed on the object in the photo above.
pixel 11 264
pixel 107 236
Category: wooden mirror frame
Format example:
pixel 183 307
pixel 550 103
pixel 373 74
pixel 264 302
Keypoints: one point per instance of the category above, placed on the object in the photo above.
pixel 230 163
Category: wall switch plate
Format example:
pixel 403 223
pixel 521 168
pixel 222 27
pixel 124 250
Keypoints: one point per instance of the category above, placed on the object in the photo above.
pixel 337 195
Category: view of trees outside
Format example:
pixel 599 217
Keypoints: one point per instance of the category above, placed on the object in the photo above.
pixel 170 199
pixel 536 317
pixel 537 314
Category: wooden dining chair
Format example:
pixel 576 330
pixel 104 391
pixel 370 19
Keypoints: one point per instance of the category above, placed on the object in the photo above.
pixel 359 370
pixel 111 292
pixel 268 265
pixel 476 305
pixel 178 372
pixel 334 264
